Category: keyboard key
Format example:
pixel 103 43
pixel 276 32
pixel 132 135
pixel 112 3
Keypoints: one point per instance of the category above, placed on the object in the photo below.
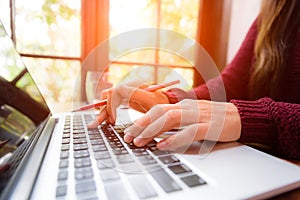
pixel 165 180
pixel 116 190
pixel 126 158
pixel 64 155
pixel 97 141
pixel 101 155
pixel 63 164
pixel 179 169
pixel 112 138
pixel 169 159
pixel 80 141
pixel 151 144
pixel 104 164
pixel 142 186
pixel 62 175
pixel 94 132
pixel 101 147
pixel 82 162
pixel 83 173
pixel 116 144
pixel 81 154
pixel 65 141
pixel 120 151
pixel 77 136
pixel 78 147
pixel 79 131
pixel 109 175
pixel 85 187
pixel 94 137
pixel 160 152
pixel 65 147
pixel 140 152
pixel 147 160
pixel 61 191
pixel 132 146
pixel 193 180
pixel 66 135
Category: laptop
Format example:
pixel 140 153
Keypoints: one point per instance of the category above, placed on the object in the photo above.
pixel 48 155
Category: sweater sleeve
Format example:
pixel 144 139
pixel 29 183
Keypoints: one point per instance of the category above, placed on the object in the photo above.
pixel 234 78
pixel 275 125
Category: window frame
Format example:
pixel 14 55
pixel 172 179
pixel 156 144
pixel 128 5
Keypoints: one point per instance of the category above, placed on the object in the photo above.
pixel 212 33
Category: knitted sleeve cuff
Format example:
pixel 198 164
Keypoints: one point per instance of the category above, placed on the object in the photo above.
pixel 256 121
pixel 176 94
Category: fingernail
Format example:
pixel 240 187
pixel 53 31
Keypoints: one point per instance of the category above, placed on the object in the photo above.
pixel 128 138
pixel 138 142
pixel 93 124
pixel 162 144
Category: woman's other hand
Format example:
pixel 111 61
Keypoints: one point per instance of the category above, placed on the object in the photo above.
pixel 132 94
pixel 200 119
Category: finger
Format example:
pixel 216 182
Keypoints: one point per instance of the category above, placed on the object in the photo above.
pixel 168 121
pixel 99 119
pixel 184 138
pixel 105 92
pixel 182 117
pixel 147 119
pixel 113 102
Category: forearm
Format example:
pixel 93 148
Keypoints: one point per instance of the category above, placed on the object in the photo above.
pixel 272 124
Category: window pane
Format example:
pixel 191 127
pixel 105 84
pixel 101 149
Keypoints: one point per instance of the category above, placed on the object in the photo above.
pixel 172 59
pixel 185 75
pixel 125 73
pixel 48 27
pixel 10 63
pixel 127 16
pixel 131 14
pixel 126 54
pixel 5 15
pixel 180 16
pixel 56 80
pixel 175 15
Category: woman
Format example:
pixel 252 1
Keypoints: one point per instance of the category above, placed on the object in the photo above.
pixel 262 89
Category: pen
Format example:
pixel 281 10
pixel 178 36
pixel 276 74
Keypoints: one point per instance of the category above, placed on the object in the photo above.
pixel 151 88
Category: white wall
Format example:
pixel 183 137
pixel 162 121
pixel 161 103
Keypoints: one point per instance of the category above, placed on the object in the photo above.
pixel 243 14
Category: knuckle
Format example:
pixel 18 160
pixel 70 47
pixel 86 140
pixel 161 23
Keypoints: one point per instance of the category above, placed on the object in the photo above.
pixel 173 116
pixel 158 108
pixel 186 101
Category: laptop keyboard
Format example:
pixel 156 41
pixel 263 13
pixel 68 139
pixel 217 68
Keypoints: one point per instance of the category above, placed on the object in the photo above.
pixel 119 164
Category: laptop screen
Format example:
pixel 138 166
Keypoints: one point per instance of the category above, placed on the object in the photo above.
pixel 22 107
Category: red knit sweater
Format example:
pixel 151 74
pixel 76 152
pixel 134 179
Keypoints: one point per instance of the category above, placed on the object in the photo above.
pixel 272 125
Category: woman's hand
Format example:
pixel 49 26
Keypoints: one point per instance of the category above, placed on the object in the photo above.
pixel 200 119
pixel 133 95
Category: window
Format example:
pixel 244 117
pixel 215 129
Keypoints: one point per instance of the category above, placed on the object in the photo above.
pixel 150 65
pixel 176 15
pixel 47 35
pixel 243 14
pixel 55 36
